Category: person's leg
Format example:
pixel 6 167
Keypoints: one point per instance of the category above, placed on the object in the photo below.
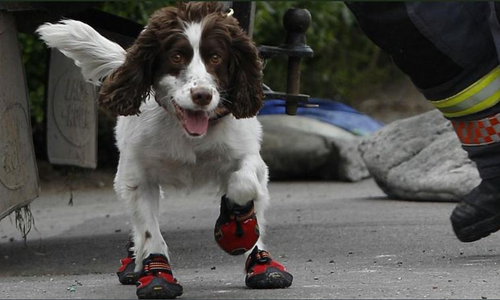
pixel 448 52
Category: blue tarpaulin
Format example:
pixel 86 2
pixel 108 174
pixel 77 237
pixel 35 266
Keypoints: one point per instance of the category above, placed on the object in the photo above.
pixel 331 112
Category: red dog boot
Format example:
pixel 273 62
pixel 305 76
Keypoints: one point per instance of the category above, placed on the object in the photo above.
pixel 157 280
pixel 236 230
pixel 265 273
pixel 126 274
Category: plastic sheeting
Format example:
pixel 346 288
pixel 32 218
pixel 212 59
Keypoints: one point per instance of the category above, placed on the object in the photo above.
pixel 331 112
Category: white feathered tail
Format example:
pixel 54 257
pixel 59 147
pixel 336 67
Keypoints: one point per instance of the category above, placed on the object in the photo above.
pixel 94 54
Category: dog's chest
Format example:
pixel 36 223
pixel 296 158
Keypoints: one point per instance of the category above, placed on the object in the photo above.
pixel 208 168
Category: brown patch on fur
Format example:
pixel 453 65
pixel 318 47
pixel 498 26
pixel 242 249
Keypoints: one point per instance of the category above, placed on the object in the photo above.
pixel 247 94
pixel 242 76
pixel 129 85
pixel 148 234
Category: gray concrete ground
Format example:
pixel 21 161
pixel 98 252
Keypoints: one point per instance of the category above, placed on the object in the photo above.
pixel 340 240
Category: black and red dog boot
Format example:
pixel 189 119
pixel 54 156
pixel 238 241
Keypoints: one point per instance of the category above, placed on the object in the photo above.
pixel 479 214
pixel 236 230
pixel 126 274
pixel 265 273
pixel 157 280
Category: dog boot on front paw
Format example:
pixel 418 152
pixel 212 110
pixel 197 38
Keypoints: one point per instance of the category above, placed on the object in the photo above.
pixel 157 280
pixel 265 273
pixel 126 274
pixel 236 230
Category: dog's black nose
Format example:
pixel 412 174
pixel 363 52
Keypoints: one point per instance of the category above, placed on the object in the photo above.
pixel 201 96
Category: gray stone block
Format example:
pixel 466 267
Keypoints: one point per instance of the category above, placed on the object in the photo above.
pixel 71 115
pixel 19 183
pixel 420 158
pixel 300 147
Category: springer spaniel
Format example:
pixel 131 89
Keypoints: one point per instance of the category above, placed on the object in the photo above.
pixel 188 91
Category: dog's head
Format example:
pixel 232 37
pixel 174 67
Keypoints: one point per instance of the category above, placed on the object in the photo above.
pixel 198 62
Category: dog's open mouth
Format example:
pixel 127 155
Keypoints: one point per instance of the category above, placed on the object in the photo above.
pixel 195 122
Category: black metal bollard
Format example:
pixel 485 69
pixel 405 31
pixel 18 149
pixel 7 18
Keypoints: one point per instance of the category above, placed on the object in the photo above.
pixel 296 22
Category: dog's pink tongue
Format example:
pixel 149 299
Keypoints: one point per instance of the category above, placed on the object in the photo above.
pixel 196 122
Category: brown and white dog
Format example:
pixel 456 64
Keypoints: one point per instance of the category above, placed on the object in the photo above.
pixel 187 91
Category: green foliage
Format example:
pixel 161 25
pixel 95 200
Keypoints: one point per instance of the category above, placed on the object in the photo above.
pixel 138 11
pixel 346 63
pixel 34 60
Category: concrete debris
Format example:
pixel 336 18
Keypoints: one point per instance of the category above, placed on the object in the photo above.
pixel 420 158
pixel 301 147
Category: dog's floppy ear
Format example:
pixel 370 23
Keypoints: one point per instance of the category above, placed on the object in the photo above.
pixel 246 95
pixel 129 85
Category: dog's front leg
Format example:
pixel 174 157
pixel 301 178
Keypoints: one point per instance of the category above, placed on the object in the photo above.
pixel 246 199
pixel 249 182
pixel 143 201
pixel 156 278
pixel 241 222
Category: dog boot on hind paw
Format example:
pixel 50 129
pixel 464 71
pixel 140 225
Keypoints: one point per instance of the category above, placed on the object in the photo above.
pixel 156 280
pixel 126 274
pixel 265 273
pixel 236 230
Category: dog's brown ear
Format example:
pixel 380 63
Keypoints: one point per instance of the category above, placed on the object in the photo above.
pixel 129 85
pixel 246 95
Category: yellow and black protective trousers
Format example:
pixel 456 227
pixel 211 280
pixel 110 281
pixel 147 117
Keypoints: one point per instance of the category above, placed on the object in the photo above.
pixel 450 51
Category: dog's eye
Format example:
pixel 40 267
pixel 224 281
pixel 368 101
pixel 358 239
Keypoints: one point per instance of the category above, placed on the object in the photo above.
pixel 176 58
pixel 215 59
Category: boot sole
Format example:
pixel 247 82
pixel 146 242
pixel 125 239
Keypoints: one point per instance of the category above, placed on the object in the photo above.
pixel 128 276
pixel 158 288
pixel 478 230
pixel 271 279
pixel 163 290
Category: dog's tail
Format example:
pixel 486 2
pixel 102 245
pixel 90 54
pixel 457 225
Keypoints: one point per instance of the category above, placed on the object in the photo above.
pixel 94 54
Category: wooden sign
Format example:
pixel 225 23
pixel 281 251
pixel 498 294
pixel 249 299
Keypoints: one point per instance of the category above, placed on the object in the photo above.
pixel 71 115
pixel 19 183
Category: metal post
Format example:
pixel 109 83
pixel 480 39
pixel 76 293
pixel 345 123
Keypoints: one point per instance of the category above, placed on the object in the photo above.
pixel 244 12
pixel 296 22
pixel 293 84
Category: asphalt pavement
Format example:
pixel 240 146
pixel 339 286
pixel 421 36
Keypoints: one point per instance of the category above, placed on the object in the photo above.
pixel 339 240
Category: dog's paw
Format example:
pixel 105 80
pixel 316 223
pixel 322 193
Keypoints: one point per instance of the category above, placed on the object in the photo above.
pixel 242 187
